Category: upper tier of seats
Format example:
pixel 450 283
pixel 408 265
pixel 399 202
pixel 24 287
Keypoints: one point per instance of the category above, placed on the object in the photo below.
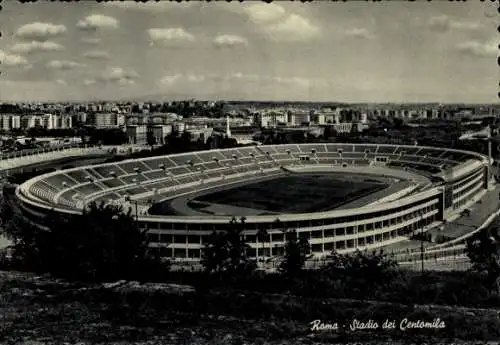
pixel 66 188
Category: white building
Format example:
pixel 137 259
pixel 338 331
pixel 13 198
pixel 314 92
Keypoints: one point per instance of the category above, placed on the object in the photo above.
pixel 10 121
pixel 270 119
pixel 325 117
pixel 47 121
pixel 298 117
pixel 179 126
pixel 340 119
pixel 81 117
pixel 107 120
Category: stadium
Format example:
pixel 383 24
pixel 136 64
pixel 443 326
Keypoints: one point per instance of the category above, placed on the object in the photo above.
pixel 340 196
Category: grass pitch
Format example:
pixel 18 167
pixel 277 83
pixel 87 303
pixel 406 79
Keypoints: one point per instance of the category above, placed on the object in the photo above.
pixel 303 193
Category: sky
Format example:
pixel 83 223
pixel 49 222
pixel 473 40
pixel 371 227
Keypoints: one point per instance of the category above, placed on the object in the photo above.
pixel 320 51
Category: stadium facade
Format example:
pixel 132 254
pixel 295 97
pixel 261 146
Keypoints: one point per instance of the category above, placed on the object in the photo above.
pixel 451 181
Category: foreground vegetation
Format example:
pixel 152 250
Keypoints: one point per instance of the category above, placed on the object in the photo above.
pixel 231 302
pixel 47 310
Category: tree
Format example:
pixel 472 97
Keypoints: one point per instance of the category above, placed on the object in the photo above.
pixel 228 143
pixel 354 130
pixel 214 253
pixel 483 250
pixel 150 138
pixel 212 142
pixel 327 132
pixel 227 253
pixel 24 235
pixel 296 254
pixel 107 136
pixel 360 270
pixel 186 138
pixel 172 141
pixel 398 123
pixel 82 134
pixel 102 244
pixel 262 236
pixel 277 224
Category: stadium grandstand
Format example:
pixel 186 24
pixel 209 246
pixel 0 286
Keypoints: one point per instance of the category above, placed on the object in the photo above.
pixel 439 183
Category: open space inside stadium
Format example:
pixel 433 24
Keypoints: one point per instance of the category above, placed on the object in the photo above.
pixel 289 193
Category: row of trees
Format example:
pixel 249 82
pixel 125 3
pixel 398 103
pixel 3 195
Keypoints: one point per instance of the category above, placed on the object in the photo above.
pixel 88 135
pixel 179 143
pixel 186 108
pixel 483 250
pixel 227 253
pixel 104 244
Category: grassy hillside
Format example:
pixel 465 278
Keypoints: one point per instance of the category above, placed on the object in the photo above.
pixel 51 311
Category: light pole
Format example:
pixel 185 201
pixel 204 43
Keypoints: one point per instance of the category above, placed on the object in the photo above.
pixel 422 241
pixel 137 216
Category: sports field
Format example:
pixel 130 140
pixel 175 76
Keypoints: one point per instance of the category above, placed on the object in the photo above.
pixel 302 193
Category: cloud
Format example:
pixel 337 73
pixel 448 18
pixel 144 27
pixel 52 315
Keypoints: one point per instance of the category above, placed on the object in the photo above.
pixel 13 60
pixel 490 14
pixel 269 80
pixel 125 82
pixel 36 46
pixel 292 28
pixel 278 25
pixel 359 33
pixel 63 65
pixel 153 7
pixel 441 23
pixel 91 40
pixel 250 78
pixel 96 55
pixel 230 41
pixel 88 82
pixel 170 79
pixel 193 78
pixel 114 75
pixel 182 78
pixel 265 13
pixel 119 76
pixel 170 35
pixel 40 31
pixel 97 21
pixel 295 81
pixel 444 23
pixel 478 49
pixel 61 82
pixel 30 90
pixel 238 78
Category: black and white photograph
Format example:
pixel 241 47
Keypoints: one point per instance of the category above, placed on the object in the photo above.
pixel 249 172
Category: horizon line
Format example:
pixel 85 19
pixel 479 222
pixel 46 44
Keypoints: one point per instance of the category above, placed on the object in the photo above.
pixel 253 101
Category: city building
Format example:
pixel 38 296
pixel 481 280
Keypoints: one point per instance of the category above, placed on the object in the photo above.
pixel 9 122
pixel 107 120
pixel 200 134
pixel 136 134
pixel 47 121
pixel 160 132
pixel 298 117
pixel 270 119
